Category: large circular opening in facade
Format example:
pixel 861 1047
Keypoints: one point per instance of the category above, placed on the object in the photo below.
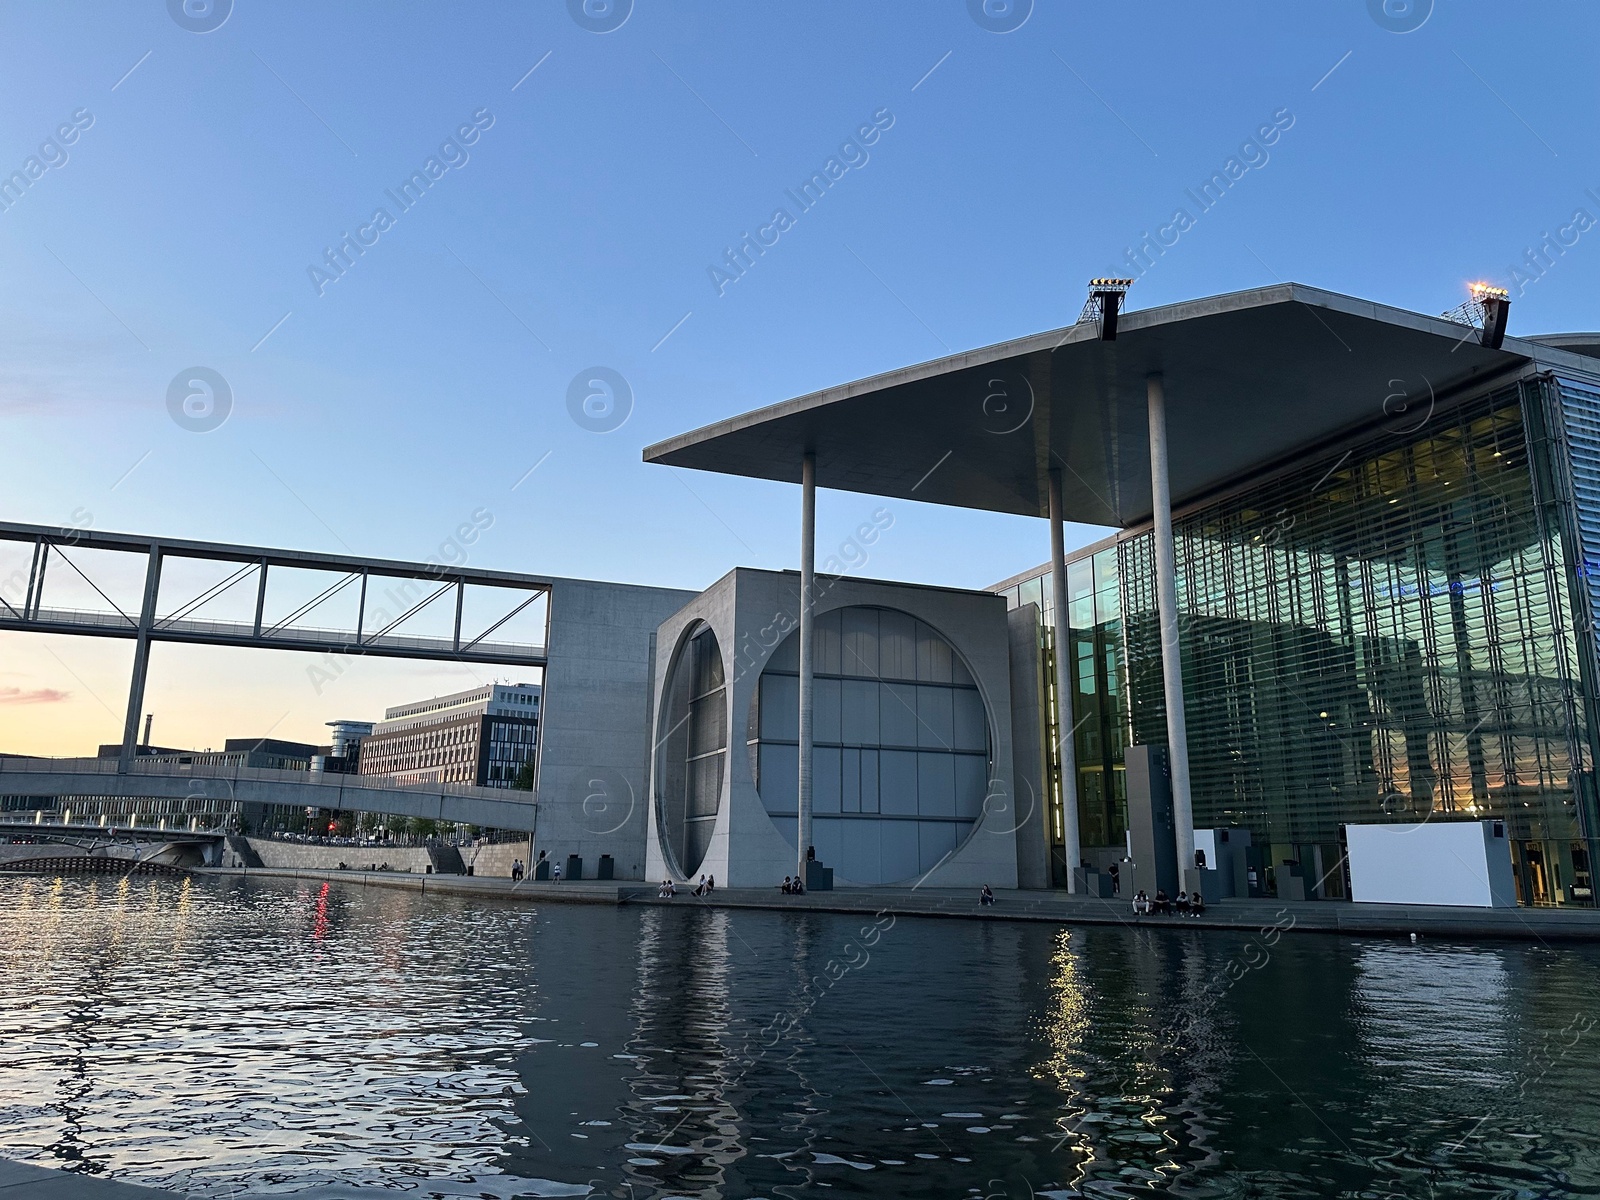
pixel 900 760
pixel 694 751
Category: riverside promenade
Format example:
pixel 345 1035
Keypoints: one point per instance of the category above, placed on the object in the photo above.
pixel 1242 916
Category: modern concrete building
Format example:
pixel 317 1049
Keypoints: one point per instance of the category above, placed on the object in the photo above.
pixel 594 737
pixel 347 736
pixel 1353 580
pixel 913 767
pixel 482 736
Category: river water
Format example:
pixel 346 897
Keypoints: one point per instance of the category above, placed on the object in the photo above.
pixel 263 1038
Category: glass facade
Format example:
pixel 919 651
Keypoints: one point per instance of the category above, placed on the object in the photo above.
pixel 1383 632
pixel 900 762
pixel 486 737
pixel 694 751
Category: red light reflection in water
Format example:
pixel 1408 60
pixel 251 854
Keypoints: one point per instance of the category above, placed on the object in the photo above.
pixel 320 929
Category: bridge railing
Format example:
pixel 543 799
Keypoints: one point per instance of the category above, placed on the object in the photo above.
pixel 348 784
pixel 242 631
pixel 169 828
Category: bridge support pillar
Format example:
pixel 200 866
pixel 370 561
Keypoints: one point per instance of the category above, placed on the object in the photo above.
pixel 1066 673
pixel 1167 610
pixel 808 591
pixel 141 662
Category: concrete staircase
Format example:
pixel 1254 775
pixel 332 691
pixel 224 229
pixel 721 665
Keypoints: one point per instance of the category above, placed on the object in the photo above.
pixel 240 848
pixel 446 860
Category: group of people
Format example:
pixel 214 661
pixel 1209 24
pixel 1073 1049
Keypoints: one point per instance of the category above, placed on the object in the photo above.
pixel 668 889
pixel 519 869
pixel 792 887
pixel 1185 905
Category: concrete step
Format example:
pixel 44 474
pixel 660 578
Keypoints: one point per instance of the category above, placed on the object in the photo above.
pixel 241 849
pixel 25 1181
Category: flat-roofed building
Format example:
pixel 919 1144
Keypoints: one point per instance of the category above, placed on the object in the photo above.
pixel 272 754
pixel 482 737
pixel 1354 573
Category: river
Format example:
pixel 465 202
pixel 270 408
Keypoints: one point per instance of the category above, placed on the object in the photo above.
pixel 268 1038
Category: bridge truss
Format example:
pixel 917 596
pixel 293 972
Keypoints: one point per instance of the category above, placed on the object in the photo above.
pixel 389 595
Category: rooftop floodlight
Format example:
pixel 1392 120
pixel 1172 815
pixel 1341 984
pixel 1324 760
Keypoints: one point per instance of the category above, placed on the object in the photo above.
pixel 1103 305
pixel 1495 303
pixel 1485 309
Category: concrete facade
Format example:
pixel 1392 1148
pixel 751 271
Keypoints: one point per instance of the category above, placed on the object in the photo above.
pixel 594 739
pixel 1029 729
pixel 751 613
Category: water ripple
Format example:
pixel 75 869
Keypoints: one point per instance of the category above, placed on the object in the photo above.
pixel 227 1037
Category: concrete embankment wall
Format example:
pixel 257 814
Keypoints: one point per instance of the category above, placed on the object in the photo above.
pixel 1259 921
pixel 495 860
pixel 449 885
pixel 43 850
pixel 147 851
pixel 492 860
pixel 294 856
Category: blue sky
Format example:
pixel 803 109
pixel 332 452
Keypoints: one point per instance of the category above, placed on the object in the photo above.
pixel 578 232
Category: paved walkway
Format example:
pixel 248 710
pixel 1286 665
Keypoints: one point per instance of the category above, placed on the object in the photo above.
pixel 24 1181
pixel 1324 916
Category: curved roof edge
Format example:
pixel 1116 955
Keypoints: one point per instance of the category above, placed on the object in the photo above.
pixel 1129 322
pixel 1586 344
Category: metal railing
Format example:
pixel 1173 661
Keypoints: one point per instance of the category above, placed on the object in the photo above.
pixel 14 823
pixel 234 772
pixel 244 631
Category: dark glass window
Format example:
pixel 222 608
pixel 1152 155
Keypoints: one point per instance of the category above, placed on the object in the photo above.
pixel 1382 633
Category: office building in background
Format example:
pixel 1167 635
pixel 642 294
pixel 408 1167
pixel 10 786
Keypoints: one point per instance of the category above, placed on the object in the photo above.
pixel 482 737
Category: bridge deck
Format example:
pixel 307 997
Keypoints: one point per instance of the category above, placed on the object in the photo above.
pixel 211 632
pixel 492 808
pixel 407 588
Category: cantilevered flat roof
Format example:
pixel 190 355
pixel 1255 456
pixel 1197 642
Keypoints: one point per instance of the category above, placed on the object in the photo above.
pixel 1251 378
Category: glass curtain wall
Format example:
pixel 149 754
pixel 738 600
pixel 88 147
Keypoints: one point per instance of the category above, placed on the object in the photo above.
pixel 1382 634
pixel 901 750
pixel 694 751
pixel 1099 700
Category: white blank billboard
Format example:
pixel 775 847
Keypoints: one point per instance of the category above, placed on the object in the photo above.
pixel 1439 862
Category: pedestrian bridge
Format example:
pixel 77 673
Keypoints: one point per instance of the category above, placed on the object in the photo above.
pixel 97 778
pixel 97 830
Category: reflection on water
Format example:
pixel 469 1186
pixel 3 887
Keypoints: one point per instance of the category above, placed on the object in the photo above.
pixel 223 1036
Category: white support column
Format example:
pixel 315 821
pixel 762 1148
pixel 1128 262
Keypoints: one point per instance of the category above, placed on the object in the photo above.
pixel 1167 604
pixel 141 662
pixel 1066 742
pixel 808 555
